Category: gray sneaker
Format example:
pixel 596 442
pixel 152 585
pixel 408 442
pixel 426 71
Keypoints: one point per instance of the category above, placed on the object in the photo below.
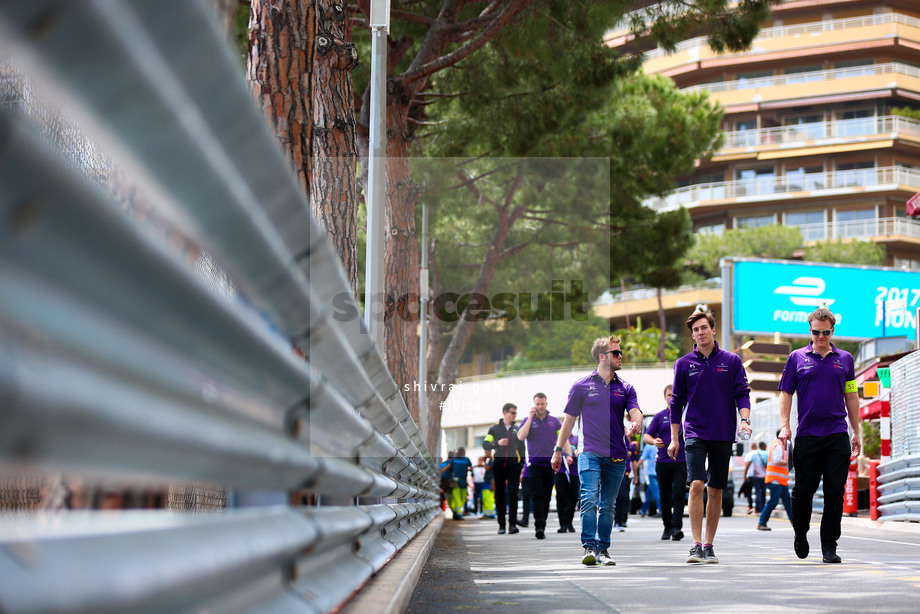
pixel 696 554
pixel 590 557
pixel 603 558
pixel 709 556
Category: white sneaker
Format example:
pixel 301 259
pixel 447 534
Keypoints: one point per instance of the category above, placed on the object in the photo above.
pixel 620 528
pixel 603 558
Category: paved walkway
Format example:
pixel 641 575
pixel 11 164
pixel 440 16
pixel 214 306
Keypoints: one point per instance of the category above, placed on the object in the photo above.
pixel 472 569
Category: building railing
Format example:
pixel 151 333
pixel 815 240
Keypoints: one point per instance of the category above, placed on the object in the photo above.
pixel 120 367
pixel 862 229
pixel 769 187
pixel 890 126
pixel 868 70
pixel 804 29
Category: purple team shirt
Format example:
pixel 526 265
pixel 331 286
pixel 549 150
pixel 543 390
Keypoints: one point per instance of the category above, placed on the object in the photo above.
pixel 541 439
pixel 819 383
pixel 711 389
pixel 602 407
pixel 660 426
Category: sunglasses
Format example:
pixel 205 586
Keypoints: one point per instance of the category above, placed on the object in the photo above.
pixel 616 353
pixel 818 333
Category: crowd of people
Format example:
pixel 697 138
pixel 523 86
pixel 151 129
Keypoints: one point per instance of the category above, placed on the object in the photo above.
pixel 687 449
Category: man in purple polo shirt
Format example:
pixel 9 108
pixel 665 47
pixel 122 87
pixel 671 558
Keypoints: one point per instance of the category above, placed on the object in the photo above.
pixel 539 430
pixel 710 386
pixel 672 472
pixel 601 400
pixel 824 379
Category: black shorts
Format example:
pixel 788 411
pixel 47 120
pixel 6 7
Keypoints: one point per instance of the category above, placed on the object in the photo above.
pixel 715 474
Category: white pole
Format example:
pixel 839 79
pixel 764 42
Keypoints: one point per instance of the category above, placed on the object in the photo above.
pixel 376 189
pixel 423 328
pixel 726 265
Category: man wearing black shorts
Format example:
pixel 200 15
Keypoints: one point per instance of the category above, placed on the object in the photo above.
pixel 710 385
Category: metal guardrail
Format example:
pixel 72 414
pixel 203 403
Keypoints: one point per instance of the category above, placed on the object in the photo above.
pixel 899 478
pixel 119 364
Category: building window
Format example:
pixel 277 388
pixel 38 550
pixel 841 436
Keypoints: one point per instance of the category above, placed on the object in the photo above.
pixel 907 264
pixel 855 174
pixel 805 178
pixel 755 221
pixel 745 134
pixel 712 229
pixel 759 78
pixel 755 181
pixel 855 224
pixel 854 123
pixel 804 74
pixel 811 223
pixel 501 353
pixel 854 68
pixel 805 127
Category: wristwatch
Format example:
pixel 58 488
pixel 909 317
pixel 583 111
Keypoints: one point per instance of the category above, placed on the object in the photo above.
pixel 746 420
pixel 557 449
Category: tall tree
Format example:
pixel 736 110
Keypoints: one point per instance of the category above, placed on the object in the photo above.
pixel 300 67
pixel 429 36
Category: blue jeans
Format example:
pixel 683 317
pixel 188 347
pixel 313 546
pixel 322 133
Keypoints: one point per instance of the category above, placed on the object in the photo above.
pixel 651 494
pixel 777 492
pixel 600 482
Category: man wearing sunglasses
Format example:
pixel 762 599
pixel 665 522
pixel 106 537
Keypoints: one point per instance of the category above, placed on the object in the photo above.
pixel 600 400
pixel 508 455
pixel 710 390
pixel 824 379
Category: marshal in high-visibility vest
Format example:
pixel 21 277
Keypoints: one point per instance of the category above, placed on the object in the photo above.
pixel 777 473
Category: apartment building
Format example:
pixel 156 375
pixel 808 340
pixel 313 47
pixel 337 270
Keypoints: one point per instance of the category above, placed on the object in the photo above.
pixel 811 140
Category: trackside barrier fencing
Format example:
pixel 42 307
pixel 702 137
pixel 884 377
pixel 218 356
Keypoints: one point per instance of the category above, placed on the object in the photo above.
pixel 120 366
pixel 899 478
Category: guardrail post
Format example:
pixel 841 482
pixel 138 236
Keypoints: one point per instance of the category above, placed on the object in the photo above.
pixel 873 489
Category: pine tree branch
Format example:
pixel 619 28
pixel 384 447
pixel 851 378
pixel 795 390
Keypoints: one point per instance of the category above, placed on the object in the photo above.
pixel 425 70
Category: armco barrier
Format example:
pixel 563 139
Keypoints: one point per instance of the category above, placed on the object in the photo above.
pixel 121 366
pixel 899 478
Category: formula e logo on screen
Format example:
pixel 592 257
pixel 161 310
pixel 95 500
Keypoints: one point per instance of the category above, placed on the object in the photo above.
pixel 804 292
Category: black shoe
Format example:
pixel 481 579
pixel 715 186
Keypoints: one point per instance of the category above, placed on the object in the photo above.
pixel 501 530
pixel 696 554
pixel 562 529
pixel 571 529
pixel 709 556
pixel 523 523
pixel 801 546
pixel 540 534
pixel 513 530
pixel 677 535
pixel 666 535
pixel 830 555
pixel 763 527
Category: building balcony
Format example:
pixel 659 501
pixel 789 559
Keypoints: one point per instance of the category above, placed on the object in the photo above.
pixel 818 38
pixel 881 230
pixel 789 138
pixel 796 186
pixel 820 86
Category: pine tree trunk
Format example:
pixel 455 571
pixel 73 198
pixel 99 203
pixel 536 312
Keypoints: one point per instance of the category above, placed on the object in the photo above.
pixel 402 257
pixel 299 67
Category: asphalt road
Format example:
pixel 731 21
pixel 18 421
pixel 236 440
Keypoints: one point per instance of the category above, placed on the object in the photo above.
pixel 472 569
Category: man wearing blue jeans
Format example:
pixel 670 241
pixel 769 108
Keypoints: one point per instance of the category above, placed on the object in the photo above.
pixel 600 400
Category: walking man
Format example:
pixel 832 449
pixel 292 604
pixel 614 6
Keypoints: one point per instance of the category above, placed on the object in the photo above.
pixel 672 472
pixel 539 430
pixel 567 488
pixel 755 467
pixel 601 400
pixel 777 480
pixel 824 379
pixel 710 386
pixel 508 453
